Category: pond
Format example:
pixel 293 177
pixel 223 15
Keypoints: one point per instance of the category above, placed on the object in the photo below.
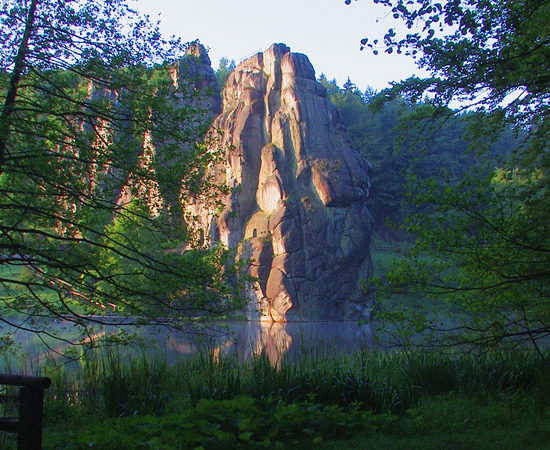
pixel 240 339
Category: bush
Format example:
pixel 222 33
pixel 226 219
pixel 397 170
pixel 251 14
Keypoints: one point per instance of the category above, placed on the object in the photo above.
pixel 237 423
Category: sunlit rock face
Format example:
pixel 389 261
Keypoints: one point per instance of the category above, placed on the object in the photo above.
pixel 296 211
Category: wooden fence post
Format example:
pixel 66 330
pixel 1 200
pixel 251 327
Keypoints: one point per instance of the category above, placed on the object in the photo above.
pixel 30 418
pixel 31 410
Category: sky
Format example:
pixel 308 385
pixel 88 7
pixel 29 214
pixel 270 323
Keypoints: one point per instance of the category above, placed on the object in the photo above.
pixel 327 31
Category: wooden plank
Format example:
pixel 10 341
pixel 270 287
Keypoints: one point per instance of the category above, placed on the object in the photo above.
pixel 31 409
pixel 24 380
pixel 9 424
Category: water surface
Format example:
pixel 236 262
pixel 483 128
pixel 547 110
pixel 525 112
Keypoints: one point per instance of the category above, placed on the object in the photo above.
pixel 240 339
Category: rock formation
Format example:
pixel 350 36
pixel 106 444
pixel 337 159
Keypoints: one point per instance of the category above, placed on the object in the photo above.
pixel 296 211
pixel 194 89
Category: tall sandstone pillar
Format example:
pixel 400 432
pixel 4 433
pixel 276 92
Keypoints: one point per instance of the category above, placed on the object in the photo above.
pixel 296 209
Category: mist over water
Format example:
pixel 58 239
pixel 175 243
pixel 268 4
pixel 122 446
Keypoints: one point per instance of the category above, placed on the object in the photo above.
pixel 237 339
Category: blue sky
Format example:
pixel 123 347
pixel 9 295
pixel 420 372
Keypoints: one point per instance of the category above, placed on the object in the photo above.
pixel 327 31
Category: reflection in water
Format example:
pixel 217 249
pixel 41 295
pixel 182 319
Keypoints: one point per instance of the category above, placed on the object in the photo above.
pixel 268 338
pixel 243 340
pixel 180 347
pixel 274 341
pixel 277 341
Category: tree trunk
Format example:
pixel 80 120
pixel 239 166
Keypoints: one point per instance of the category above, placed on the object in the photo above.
pixel 9 104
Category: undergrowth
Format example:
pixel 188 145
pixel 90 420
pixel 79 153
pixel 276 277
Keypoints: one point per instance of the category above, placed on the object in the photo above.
pixel 380 382
pixel 219 402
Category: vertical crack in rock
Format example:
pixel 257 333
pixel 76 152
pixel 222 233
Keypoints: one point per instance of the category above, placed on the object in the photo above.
pixel 297 208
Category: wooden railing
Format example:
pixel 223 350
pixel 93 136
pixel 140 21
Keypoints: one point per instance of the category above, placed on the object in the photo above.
pixel 28 425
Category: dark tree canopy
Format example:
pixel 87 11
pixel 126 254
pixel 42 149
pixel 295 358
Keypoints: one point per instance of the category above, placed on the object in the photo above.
pixel 482 51
pixel 491 55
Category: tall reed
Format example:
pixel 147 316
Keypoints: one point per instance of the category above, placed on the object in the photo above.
pixel 118 385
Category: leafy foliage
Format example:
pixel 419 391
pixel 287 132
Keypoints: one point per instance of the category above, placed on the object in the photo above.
pixel 92 119
pixel 487 254
pixel 479 51
pixel 238 423
pixel 402 140
pixel 481 240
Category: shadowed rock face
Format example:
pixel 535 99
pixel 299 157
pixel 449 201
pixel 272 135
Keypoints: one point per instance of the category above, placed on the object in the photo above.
pixel 194 89
pixel 297 210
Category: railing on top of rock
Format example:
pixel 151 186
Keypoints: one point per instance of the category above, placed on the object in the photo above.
pixel 250 55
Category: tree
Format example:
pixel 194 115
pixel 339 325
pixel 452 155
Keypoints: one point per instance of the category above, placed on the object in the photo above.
pixel 384 135
pixel 489 55
pixel 91 119
pixel 482 242
pixel 224 69
pixel 373 135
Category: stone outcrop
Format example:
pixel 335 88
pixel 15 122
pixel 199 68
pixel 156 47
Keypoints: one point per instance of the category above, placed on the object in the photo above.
pixel 296 211
pixel 194 89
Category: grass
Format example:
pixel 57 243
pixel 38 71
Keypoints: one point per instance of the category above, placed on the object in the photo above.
pixel 459 422
pixel 382 382
pixel 359 400
pixel 372 400
pixel 365 399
